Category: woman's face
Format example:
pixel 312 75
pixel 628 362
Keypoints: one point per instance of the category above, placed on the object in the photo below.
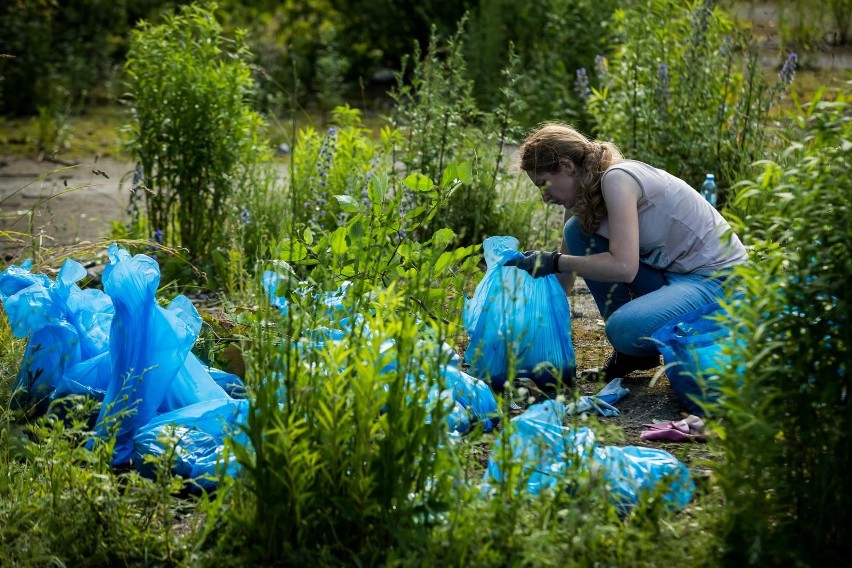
pixel 559 187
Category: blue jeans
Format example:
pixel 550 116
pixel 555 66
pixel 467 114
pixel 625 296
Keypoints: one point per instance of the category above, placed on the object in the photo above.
pixel 633 311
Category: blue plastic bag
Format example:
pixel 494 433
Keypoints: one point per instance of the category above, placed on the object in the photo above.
pixel 549 451
pixel 695 347
pixel 546 449
pixel 149 346
pixel 513 316
pixel 67 328
pixel 466 398
pixel 198 433
pixel 473 395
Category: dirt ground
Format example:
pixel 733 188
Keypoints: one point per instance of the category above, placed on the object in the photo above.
pixel 49 204
pixel 651 396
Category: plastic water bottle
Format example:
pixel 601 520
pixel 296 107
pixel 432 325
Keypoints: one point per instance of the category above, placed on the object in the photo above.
pixel 709 190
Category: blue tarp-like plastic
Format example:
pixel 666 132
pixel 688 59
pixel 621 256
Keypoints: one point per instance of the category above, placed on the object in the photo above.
pixel 513 315
pixel 117 345
pixel 550 451
pixel 467 398
pixel 67 328
pixel 197 432
pixel 150 347
pixel 694 348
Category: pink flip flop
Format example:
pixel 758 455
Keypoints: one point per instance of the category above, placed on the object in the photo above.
pixel 688 429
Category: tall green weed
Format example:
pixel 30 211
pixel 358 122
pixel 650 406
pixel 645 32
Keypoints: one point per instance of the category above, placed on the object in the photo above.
pixel 684 91
pixel 440 123
pixel 62 504
pixel 193 132
pixel 785 407
pixel 348 456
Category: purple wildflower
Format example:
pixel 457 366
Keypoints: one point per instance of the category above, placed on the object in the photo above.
pixel 581 85
pixel 602 69
pixel 245 216
pixel 663 82
pixel 788 70
pixel 700 22
pixel 158 235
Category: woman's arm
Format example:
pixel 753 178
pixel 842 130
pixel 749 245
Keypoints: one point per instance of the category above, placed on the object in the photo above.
pixel 565 278
pixel 621 193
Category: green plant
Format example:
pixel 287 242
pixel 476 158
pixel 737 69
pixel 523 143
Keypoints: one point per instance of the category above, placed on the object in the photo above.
pixel 440 123
pixel 552 38
pixel 347 459
pixel 684 92
pixel 63 504
pixel 339 162
pixel 374 242
pixel 785 404
pixel 193 132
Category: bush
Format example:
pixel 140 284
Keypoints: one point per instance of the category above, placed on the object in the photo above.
pixel 786 411
pixel 684 92
pixel 62 504
pixel 440 123
pixel 552 38
pixel 193 133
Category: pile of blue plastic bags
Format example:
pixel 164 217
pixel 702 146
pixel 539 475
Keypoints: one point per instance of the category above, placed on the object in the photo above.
pixel 121 347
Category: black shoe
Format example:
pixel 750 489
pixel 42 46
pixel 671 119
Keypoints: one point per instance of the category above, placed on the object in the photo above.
pixel 620 365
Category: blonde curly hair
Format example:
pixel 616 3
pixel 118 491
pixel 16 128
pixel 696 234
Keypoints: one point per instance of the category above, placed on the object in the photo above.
pixel 554 141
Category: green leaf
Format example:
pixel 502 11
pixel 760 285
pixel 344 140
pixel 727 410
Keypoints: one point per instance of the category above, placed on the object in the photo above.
pixel 416 212
pixel 453 172
pixel 308 236
pixel 291 250
pixel 418 182
pixel 442 238
pixel 339 245
pixel 377 189
pixel 443 261
pixel 450 175
pixel 465 173
pixel 347 203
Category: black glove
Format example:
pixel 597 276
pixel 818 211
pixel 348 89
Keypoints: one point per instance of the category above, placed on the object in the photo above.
pixel 537 263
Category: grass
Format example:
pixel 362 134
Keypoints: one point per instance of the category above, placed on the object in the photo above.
pixel 96 132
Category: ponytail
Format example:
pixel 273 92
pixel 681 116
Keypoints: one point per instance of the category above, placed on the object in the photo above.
pixel 552 142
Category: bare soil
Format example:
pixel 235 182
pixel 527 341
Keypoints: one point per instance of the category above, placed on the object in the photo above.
pixel 51 204
pixel 651 397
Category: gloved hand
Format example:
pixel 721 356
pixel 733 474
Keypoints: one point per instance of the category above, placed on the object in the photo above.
pixel 537 263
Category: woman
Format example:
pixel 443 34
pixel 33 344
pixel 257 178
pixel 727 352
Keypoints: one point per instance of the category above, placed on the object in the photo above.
pixel 649 247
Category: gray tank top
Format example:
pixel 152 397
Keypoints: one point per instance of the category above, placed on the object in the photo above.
pixel 679 230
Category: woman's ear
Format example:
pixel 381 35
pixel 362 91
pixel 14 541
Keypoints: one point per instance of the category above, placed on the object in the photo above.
pixel 567 166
